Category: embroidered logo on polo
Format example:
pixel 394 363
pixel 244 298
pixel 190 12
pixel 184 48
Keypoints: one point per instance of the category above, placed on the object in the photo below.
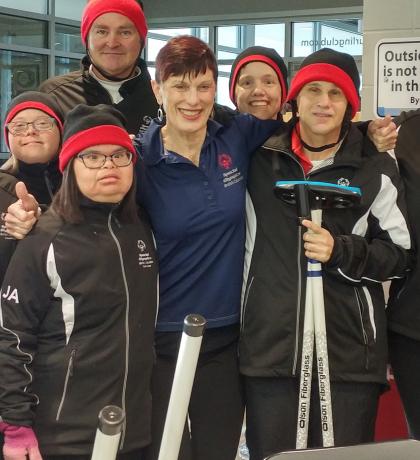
pixel 225 161
pixel 145 259
pixel 343 181
pixel 232 175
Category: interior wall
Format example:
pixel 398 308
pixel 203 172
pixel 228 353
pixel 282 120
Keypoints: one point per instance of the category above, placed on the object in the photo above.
pixel 163 11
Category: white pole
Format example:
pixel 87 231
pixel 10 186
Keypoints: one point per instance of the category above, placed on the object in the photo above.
pixel 186 365
pixel 327 428
pixel 306 370
pixel 108 433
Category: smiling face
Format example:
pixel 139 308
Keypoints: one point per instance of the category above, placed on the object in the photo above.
pixel 107 184
pixel 187 101
pixel 321 109
pixel 114 44
pixel 34 146
pixel 258 91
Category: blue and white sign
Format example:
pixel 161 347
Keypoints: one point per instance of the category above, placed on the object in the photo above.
pixel 397 76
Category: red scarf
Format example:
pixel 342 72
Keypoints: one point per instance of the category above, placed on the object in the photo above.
pixel 297 149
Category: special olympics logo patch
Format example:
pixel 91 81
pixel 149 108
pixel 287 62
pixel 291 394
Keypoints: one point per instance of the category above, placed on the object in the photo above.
pixel 343 181
pixel 225 161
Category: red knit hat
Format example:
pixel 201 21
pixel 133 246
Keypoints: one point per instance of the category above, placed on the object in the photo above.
pixel 33 100
pixel 86 126
pixel 332 66
pixel 129 8
pixel 263 54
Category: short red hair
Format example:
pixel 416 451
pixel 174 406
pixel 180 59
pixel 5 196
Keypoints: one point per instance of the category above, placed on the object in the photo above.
pixel 184 55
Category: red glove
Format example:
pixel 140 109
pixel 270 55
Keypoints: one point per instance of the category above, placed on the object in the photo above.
pixel 19 441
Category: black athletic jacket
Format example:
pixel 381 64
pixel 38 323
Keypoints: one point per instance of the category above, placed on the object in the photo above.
pixel 78 308
pixel 7 197
pixel 403 306
pixel 139 105
pixel 370 247
pixel 42 181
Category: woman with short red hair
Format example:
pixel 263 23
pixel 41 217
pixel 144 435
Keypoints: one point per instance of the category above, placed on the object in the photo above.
pixel 192 181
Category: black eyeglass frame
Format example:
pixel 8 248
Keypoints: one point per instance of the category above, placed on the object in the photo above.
pixel 11 126
pixel 82 157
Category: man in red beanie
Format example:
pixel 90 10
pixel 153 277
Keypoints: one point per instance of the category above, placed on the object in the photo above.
pixel 358 247
pixel 112 72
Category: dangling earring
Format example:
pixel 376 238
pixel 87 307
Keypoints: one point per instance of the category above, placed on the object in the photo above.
pixel 160 114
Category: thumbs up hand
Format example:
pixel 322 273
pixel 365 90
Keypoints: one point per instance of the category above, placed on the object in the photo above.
pixel 28 201
pixel 22 215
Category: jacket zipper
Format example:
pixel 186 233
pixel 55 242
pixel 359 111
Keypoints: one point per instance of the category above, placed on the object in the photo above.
pixel 248 290
pixel 365 338
pixel 299 287
pixel 69 374
pixel 127 332
pixel 299 300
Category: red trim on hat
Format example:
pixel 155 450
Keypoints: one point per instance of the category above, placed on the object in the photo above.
pixel 257 58
pixel 128 8
pixel 325 72
pixel 29 105
pixel 98 135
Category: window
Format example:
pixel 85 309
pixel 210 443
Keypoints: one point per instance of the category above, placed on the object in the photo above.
pixel 21 31
pixel 340 35
pixel 67 38
pixel 70 9
pixel 19 72
pixel 65 65
pixel 157 38
pixel 222 96
pixel 231 40
pixel 35 6
pixel 228 36
pixel 271 36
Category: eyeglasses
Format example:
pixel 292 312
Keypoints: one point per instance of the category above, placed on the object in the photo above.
pixel 20 128
pixel 94 160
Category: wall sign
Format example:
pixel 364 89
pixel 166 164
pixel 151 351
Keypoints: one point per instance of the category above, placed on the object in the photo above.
pixel 397 76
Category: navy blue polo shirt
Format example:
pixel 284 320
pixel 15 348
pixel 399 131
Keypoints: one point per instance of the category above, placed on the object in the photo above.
pixel 198 219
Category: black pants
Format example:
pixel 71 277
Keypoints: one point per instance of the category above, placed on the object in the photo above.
pixel 216 407
pixel 404 355
pixel 271 414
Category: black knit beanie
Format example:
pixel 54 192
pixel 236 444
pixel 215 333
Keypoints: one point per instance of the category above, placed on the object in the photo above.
pixel 86 126
pixel 33 100
pixel 259 54
pixel 332 66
